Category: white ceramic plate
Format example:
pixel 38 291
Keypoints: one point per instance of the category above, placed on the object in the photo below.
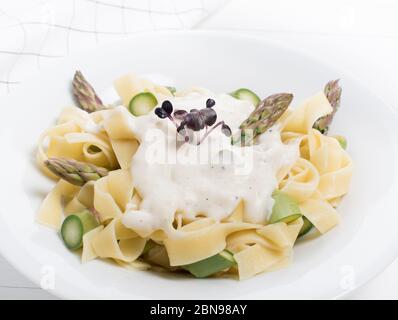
pixel 328 267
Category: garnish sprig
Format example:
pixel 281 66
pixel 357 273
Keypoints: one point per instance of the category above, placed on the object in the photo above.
pixel 195 120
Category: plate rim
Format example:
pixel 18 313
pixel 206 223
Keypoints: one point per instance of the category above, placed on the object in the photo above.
pixel 236 35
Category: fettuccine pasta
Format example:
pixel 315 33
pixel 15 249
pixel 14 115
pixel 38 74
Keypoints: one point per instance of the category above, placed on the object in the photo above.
pixel 192 181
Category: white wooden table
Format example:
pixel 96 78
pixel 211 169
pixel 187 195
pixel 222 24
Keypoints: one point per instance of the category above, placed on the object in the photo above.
pixel 358 36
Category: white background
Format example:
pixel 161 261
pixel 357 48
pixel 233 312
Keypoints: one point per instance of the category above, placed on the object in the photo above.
pixel 358 36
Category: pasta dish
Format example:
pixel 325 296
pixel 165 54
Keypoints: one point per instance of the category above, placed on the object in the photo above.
pixel 191 181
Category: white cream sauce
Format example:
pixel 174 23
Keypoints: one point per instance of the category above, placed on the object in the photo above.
pixel 210 179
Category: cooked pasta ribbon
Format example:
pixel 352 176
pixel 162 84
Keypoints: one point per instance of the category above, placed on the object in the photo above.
pixel 317 179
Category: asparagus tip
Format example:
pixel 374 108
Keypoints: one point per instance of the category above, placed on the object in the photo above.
pixel 84 93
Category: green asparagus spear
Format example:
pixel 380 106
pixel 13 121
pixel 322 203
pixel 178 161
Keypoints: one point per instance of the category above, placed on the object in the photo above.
pixel 333 94
pixel 262 118
pixel 172 90
pixel 342 140
pixel 75 172
pixel 75 226
pixel 85 95
pixel 211 265
pixel 285 208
